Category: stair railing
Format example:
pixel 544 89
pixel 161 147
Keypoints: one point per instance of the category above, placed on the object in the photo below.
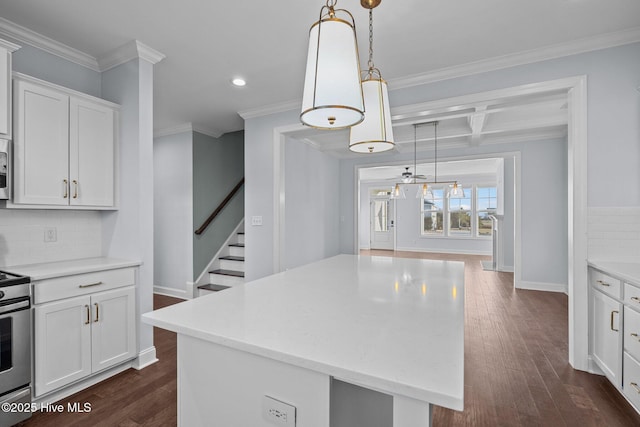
pixel 220 207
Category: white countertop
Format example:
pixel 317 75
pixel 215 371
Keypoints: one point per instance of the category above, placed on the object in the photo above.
pixel 67 268
pixel 629 271
pixel 394 325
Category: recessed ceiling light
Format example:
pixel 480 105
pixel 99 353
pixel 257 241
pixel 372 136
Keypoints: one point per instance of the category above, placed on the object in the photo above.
pixel 238 82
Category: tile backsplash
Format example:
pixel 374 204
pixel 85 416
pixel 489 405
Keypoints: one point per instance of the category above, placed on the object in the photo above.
pixel 22 236
pixel 614 234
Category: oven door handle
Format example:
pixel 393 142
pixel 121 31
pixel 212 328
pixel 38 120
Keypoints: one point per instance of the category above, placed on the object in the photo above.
pixel 13 307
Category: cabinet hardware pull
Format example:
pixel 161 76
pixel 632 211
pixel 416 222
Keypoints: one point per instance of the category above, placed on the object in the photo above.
pixel 603 283
pixel 612 313
pixel 635 336
pixel 634 385
pixel 90 285
pixel 66 188
pixel 88 315
pixel 97 312
pixel 75 189
pixel 636 299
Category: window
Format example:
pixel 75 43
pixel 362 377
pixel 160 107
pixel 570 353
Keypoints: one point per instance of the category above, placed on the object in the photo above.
pixel 487 203
pixel 466 217
pixel 433 213
pixel 460 214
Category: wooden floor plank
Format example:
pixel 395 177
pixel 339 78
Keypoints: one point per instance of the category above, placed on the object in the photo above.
pixel 516 368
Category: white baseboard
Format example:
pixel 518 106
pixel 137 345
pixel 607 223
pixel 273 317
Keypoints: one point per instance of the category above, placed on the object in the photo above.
pixel 81 385
pixel 593 367
pixel 170 292
pixel 541 286
pixel 445 251
pixel 192 290
pixel 145 358
pixel 506 268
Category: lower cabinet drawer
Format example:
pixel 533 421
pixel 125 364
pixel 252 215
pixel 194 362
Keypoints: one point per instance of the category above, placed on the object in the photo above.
pixel 81 284
pixel 631 383
pixel 632 332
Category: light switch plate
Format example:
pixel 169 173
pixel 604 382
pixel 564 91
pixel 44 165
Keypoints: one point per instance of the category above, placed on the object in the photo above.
pixel 278 413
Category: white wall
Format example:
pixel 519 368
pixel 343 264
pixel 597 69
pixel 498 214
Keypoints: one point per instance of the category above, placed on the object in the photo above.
pixel 312 207
pixel 614 234
pixel 173 212
pixel 79 235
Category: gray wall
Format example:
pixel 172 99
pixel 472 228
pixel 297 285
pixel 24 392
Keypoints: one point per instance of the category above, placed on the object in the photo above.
pixel 613 134
pixel 218 165
pixel 173 211
pixel 312 204
pixel 51 68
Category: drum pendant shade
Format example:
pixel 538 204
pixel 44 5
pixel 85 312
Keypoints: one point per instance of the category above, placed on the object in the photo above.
pixel 375 133
pixel 332 97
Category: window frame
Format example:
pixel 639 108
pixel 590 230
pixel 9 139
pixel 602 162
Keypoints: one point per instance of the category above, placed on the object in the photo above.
pixel 446 213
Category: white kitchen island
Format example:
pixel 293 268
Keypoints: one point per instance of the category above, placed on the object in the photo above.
pixel 348 341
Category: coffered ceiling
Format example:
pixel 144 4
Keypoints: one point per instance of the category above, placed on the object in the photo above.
pixel 207 43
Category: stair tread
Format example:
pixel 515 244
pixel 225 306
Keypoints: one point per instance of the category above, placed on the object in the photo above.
pixel 237 245
pixel 228 272
pixel 232 258
pixel 212 287
pixel 241 232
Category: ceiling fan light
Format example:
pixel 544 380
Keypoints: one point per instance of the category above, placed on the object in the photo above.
pixel 332 97
pixel 375 133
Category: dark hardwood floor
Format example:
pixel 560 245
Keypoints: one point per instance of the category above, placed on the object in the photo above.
pixel 516 369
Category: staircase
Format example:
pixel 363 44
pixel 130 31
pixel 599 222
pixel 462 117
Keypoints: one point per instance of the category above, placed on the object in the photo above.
pixel 228 269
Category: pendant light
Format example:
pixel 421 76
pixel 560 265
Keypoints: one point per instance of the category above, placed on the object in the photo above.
pixel 375 133
pixel 424 189
pixel 332 97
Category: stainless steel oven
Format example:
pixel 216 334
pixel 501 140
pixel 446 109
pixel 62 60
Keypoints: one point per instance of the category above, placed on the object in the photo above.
pixel 5 176
pixel 15 348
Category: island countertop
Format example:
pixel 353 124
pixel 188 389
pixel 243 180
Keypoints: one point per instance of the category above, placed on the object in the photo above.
pixel 394 325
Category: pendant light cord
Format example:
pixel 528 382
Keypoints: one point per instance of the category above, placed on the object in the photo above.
pixel 370 63
pixel 435 134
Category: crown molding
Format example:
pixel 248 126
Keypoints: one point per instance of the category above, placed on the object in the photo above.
pixel 574 47
pixel 128 51
pixel 25 35
pixel 187 127
pixel 11 47
pixel 270 109
pixel 215 133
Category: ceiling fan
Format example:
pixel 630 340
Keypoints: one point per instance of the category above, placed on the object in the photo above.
pixel 409 178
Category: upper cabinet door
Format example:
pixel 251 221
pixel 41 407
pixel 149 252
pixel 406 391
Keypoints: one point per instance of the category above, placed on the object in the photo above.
pixel 91 153
pixel 41 145
pixel 5 93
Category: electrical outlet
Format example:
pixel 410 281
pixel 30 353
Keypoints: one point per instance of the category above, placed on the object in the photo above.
pixel 278 413
pixel 256 220
pixel 50 234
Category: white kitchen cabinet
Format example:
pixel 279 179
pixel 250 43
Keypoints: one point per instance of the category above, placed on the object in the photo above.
pixel 615 325
pixel 63 343
pixel 79 335
pixel 6 49
pixel 113 326
pixel 606 350
pixel 64 148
